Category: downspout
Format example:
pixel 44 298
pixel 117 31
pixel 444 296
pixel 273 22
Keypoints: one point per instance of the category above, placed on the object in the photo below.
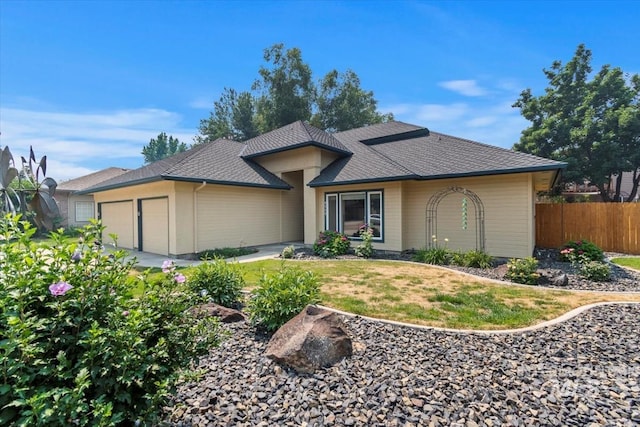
pixel 195 215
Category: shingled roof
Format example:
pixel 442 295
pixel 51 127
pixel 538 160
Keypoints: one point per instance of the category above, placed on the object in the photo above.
pixel 383 152
pixel 295 135
pixel 90 180
pixel 398 151
pixel 217 162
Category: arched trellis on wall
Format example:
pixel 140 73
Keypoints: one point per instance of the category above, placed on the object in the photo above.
pixel 432 214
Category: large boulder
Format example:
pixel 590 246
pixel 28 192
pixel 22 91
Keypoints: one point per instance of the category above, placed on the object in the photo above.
pixel 226 315
pixel 314 338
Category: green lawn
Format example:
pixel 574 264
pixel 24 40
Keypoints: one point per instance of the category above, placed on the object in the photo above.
pixel 427 295
pixel 633 262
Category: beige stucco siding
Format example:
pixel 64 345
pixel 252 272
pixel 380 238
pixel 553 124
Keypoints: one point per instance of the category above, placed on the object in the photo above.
pixel 508 206
pixel 391 206
pixel 230 216
pixel 292 208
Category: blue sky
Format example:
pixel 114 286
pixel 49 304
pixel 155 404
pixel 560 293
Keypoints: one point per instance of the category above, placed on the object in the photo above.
pixel 88 83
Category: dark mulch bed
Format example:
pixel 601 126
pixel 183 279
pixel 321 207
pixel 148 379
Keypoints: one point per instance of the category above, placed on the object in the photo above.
pixel 622 280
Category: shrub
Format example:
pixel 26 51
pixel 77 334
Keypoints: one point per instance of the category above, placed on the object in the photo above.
pixel 281 296
pixel 288 252
pixel 523 271
pixel 435 256
pixel 456 258
pixel 477 259
pixel 573 249
pixel 331 243
pixel 75 347
pixel 225 253
pixel 365 249
pixel 218 281
pixel 596 271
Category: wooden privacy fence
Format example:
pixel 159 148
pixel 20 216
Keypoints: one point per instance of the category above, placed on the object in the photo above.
pixel 613 227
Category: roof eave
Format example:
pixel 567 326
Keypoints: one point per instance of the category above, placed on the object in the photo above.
pixel 443 176
pixel 364 181
pixel 223 182
pixel 119 185
pixel 299 145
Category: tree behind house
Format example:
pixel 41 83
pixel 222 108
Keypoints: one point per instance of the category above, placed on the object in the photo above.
pixel 284 93
pixel 161 147
pixel 592 124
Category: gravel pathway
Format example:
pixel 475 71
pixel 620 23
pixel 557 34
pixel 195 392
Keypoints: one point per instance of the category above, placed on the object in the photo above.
pixel 581 372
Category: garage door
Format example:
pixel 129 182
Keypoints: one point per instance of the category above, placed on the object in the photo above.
pixel 155 225
pixel 117 217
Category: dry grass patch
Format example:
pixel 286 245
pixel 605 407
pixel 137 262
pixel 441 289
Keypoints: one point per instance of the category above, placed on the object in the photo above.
pixel 429 295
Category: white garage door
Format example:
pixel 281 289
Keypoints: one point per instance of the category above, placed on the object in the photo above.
pixel 155 226
pixel 117 217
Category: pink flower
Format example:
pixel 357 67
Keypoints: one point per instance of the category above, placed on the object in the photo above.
pixel 125 313
pixel 60 288
pixel 167 266
pixel 180 278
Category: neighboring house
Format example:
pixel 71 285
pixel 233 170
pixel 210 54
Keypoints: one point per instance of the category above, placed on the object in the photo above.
pixel 625 186
pixel 291 183
pixel 76 209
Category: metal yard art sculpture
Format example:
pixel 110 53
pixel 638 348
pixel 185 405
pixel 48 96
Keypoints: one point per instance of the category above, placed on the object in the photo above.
pixel 22 191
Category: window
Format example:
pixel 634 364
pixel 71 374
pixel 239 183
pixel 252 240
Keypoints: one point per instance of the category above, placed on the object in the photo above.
pixel 347 212
pixel 84 211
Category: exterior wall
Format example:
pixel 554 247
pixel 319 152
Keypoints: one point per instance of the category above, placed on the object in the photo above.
pixel 311 161
pixel 508 210
pixel 67 207
pixel 392 211
pixel 230 216
pixel 292 208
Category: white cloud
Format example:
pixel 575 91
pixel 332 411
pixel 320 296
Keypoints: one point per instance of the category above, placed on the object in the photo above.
pixel 77 143
pixel 494 123
pixel 464 87
pixel 201 104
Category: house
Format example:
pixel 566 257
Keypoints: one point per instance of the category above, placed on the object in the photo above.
pixel 76 209
pixel 289 184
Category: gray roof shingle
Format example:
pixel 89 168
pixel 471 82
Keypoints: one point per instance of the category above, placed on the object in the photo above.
pixel 216 162
pixel 295 135
pixel 383 152
pixel 432 156
pixel 90 180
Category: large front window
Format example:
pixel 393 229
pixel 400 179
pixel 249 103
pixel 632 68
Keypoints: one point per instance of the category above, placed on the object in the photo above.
pixel 347 212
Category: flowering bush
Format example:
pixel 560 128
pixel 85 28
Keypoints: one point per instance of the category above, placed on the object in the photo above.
pixel 523 271
pixel 75 347
pixel 580 248
pixel 331 243
pixel 596 271
pixel 586 258
pixel 365 249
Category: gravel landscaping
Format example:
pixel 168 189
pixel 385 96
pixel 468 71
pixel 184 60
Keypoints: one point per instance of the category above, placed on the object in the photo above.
pixel 584 371
pixel 580 372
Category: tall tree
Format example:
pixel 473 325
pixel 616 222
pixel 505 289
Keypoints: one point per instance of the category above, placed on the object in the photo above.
pixel 342 104
pixel 284 93
pixel 233 117
pixel 161 147
pixel 593 125
pixel 286 88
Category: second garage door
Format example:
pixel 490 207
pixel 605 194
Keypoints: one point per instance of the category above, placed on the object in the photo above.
pixel 154 215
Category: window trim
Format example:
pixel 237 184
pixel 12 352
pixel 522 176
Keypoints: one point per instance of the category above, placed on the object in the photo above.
pixel 367 202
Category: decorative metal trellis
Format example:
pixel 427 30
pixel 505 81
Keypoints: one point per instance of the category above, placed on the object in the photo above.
pixel 432 214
